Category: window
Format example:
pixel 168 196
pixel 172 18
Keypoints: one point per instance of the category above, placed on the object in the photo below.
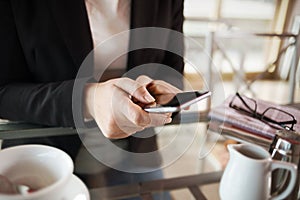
pixel 248 53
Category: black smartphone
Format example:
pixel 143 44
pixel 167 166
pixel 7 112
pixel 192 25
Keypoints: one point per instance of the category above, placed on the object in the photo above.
pixel 169 103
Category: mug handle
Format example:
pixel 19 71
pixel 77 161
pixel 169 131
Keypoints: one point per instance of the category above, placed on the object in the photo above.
pixel 288 166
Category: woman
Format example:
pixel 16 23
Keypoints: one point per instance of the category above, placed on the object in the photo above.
pixel 43 44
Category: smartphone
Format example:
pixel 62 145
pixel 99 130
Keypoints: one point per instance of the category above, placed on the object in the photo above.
pixel 169 103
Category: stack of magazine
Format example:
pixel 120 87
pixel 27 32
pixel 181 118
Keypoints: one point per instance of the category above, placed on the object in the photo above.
pixel 226 119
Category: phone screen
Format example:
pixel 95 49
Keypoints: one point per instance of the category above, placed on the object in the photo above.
pixel 181 98
pixel 176 102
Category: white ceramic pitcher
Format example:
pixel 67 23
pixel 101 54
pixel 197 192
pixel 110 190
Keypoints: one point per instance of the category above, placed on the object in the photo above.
pixel 247 175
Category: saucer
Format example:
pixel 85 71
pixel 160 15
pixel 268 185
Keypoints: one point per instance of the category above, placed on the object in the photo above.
pixel 76 190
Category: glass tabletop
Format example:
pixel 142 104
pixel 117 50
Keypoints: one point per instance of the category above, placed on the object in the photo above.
pixel 185 176
pixel 121 184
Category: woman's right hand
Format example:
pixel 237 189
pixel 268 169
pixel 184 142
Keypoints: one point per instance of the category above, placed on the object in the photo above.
pixel 110 105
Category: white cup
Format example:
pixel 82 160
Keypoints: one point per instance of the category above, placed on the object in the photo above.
pixel 46 170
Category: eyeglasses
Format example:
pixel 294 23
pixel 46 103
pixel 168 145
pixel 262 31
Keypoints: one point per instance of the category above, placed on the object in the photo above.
pixel 273 116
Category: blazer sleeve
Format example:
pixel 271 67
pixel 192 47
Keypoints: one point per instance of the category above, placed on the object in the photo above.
pixel 21 99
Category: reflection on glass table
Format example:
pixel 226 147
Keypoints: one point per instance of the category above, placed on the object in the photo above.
pixel 193 182
pixel 189 180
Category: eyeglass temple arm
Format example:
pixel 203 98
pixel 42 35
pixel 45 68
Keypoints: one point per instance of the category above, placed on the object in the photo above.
pixel 245 104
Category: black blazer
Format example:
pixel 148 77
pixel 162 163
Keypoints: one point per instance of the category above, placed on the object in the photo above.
pixel 44 42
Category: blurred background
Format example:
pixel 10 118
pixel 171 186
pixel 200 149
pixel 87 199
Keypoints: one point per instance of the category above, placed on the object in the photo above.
pixel 246 40
pixel 251 44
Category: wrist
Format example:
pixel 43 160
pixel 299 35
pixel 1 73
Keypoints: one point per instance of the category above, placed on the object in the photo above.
pixel 88 99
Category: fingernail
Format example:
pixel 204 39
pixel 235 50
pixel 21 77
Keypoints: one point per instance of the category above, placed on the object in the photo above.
pixel 149 98
pixel 168 120
pixel 168 114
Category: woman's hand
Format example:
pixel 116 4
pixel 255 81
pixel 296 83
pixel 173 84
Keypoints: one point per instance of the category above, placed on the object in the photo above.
pixel 157 88
pixel 110 104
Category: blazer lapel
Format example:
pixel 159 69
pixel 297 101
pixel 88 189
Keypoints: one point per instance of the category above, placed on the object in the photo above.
pixel 72 20
pixel 143 14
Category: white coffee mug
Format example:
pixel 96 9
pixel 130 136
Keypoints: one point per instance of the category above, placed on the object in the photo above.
pixel 45 170
pixel 247 175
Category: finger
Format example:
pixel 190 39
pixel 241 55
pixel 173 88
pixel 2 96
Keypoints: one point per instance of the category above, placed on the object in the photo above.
pixel 6 186
pixel 135 89
pixel 144 80
pixel 133 112
pixel 187 108
pixel 168 114
pixel 131 118
pixel 159 119
pixel 138 116
pixel 158 87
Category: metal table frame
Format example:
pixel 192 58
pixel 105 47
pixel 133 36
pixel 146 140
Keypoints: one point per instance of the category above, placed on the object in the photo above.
pixel 146 189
